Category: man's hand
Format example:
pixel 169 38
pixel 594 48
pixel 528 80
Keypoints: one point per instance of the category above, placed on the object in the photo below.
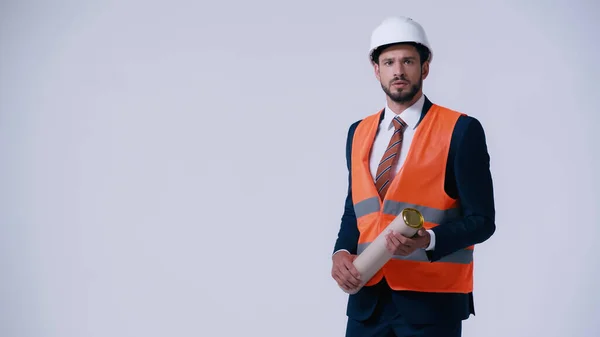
pixel 398 244
pixel 344 272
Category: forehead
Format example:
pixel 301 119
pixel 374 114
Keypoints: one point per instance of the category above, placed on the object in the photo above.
pixel 399 50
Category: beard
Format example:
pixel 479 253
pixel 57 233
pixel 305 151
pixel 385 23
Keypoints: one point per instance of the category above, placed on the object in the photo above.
pixel 402 95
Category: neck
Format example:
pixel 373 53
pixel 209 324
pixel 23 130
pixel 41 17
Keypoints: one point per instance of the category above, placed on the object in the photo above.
pixel 398 108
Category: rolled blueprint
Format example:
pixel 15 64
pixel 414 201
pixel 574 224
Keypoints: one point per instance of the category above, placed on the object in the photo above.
pixel 376 255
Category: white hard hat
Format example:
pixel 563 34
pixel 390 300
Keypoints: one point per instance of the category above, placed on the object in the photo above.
pixel 396 30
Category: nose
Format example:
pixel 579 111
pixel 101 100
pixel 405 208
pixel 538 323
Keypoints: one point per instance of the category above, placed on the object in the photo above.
pixel 399 70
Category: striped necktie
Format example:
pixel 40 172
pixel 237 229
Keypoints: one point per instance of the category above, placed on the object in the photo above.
pixel 384 170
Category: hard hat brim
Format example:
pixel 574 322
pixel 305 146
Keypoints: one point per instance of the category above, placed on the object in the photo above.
pixel 379 49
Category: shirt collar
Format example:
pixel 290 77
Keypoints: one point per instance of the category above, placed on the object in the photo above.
pixel 410 115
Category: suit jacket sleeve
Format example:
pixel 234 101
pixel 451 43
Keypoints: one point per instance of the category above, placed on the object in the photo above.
pixel 473 181
pixel 348 234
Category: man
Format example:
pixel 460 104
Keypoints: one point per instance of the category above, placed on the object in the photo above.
pixel 413 153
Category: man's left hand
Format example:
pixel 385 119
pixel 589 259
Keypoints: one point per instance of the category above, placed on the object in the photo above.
pixel 398 244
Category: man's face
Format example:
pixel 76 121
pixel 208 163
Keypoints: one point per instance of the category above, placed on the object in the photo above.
pixel 400 73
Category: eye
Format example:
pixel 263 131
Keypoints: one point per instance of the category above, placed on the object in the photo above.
pixel 408 61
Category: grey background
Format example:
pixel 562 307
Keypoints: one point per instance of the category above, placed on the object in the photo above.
pixel 177 168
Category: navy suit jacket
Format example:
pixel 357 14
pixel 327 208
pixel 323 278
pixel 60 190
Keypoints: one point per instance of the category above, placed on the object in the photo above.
pixel 468 178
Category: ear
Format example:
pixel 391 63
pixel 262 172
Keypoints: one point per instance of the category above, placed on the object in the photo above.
pixel 376 70
pixel 425 70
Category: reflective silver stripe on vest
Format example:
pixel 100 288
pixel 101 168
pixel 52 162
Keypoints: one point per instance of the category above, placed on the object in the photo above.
pixel 463 256
pixel 432 215
pixel 366 206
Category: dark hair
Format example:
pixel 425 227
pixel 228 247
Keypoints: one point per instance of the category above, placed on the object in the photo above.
pixel 423 51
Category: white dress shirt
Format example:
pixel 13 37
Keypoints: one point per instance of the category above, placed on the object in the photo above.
pixel 411 116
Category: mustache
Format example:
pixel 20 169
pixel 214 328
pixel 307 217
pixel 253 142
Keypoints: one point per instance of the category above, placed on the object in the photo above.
pixel 401 78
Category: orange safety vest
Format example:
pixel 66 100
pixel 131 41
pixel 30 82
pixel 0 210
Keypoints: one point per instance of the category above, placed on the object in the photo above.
pixel 419 184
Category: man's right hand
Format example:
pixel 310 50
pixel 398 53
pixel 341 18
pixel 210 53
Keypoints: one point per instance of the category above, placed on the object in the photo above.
pixel 344 272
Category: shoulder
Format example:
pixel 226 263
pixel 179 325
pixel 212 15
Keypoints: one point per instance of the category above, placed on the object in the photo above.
pixel 468 127
pixel 352 129
pixel 467 132
pixel 468 136
pixel 465 126
pixel 368 119
pixel 350 136
pixel 349 140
